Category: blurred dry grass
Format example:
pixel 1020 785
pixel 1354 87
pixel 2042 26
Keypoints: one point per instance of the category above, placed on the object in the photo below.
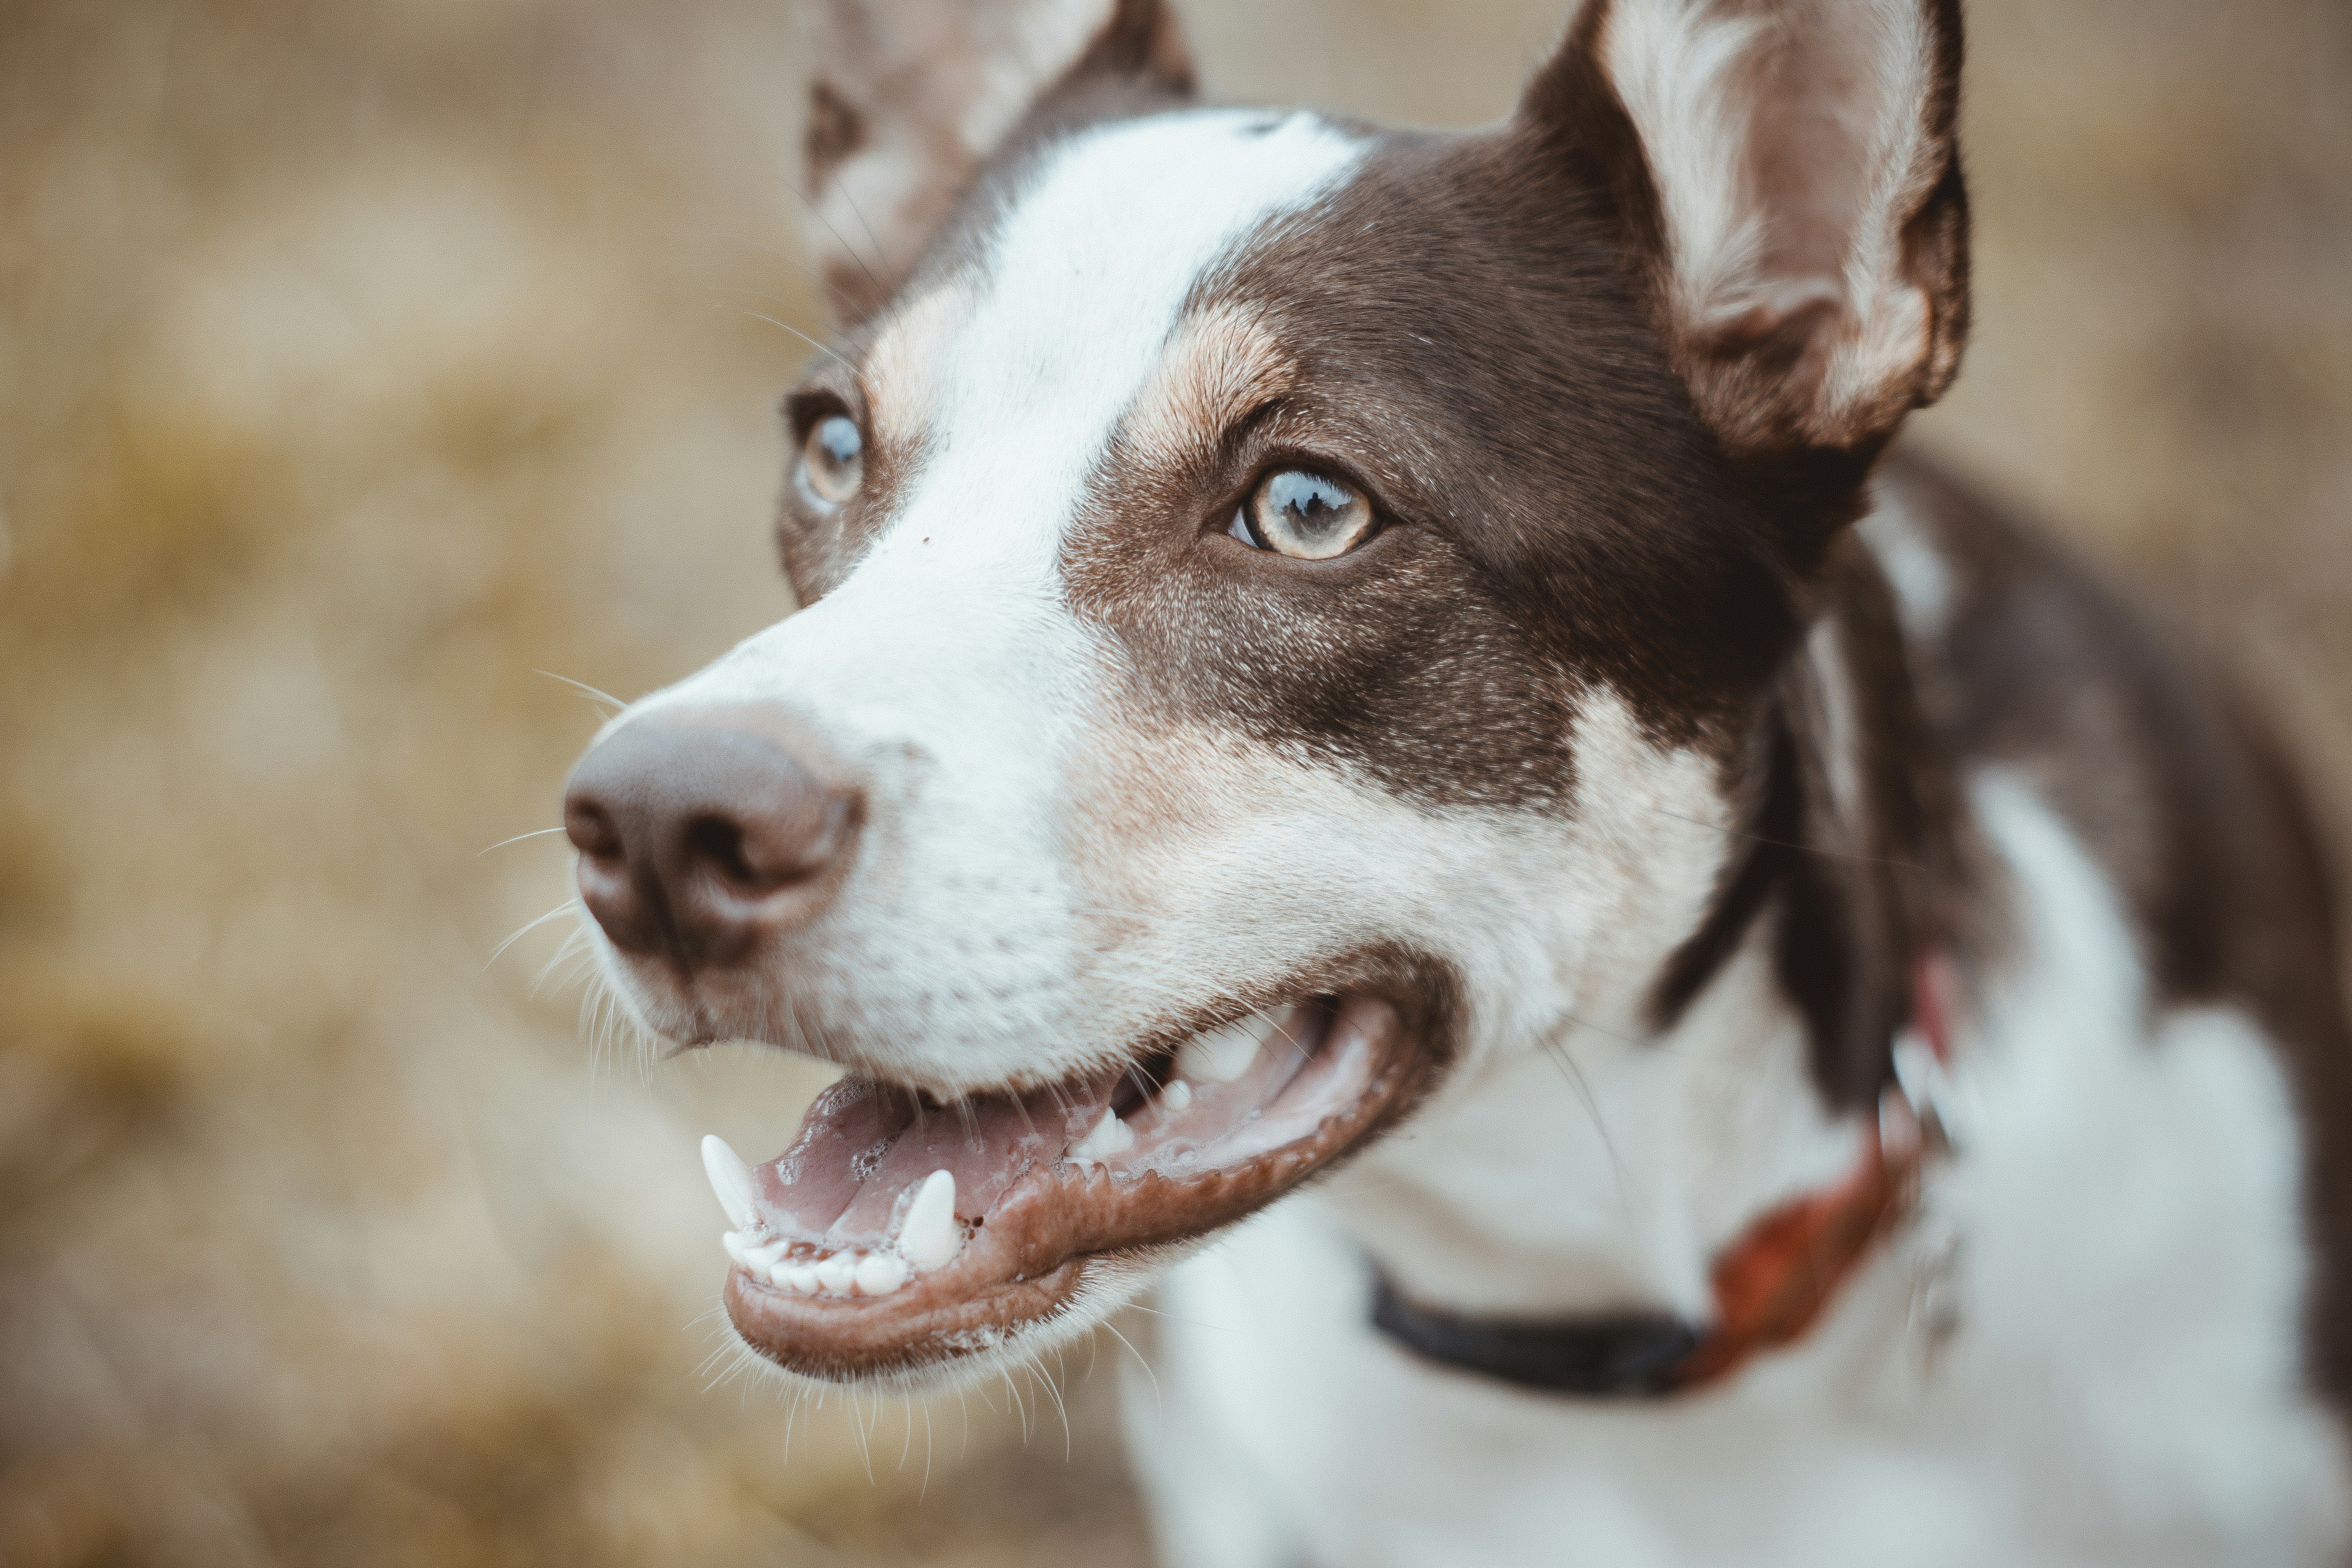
pixel 358 362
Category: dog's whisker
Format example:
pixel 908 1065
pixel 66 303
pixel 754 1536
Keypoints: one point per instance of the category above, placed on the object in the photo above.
pixel 821 348
pixel 526 929
pixel 1821 850
pixel 850 200
pixel 603 697
pixel 534 832
pixel 794 262
pixel 1555 1048
pixel 575 949
pixel 1141 1361
pixel 847 249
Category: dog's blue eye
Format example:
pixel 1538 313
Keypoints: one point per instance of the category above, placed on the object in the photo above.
pixel 832 461
pixel 1301 513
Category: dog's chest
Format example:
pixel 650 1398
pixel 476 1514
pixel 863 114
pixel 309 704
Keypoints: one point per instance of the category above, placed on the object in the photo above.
pixel 2107 1393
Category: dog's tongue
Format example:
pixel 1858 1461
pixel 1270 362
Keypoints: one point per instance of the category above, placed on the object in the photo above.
pixel 865 1147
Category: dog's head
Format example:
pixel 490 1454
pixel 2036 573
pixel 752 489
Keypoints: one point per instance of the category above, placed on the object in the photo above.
pixel 1279 595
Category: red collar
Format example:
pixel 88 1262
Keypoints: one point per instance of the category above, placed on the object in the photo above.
pixel 1770 1284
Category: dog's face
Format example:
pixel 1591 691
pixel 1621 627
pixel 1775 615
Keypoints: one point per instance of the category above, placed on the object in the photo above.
pixel 1283 603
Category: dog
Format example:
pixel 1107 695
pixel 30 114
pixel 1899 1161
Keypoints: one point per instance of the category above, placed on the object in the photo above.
pixel 1379 748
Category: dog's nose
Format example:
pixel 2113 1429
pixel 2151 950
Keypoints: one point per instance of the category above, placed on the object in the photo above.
pixel 703 831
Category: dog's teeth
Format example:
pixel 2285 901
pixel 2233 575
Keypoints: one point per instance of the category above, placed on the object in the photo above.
pixel 1218 1058
pixel 1110 1136
pixel 928 1237
pixel 737 1248
pixel 1223 1055
pixel 1276 1026
pixel 763 1260
pixel 799 1277
pixel 1176 1096
pixel 730 1179
pixel 838 1272
pixel 881 1274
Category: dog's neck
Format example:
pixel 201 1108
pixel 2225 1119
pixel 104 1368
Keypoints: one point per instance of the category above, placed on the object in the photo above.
pixel 1734 1065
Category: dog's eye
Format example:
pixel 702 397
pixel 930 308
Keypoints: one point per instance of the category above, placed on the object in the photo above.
pixel 833 462
pixel 1301 513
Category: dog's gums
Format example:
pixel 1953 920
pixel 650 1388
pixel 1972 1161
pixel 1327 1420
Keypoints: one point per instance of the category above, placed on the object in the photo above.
pixel 897 1233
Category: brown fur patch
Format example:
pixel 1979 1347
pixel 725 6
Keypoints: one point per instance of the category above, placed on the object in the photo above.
pixel 834 131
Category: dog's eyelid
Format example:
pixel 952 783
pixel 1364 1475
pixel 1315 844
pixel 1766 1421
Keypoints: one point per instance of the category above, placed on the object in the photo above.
pixel 1248 444
pixel 1238 434
pixel 809 407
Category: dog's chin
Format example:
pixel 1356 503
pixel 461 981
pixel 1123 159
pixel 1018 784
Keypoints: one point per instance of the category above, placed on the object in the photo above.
pixel 904 1239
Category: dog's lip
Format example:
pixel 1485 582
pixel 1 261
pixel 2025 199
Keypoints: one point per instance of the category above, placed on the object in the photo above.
pixel 1027 1261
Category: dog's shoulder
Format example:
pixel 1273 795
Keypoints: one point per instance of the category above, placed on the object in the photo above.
pixel 2172 781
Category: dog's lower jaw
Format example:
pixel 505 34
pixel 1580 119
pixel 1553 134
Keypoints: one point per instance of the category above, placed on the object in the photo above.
pixel 913 1343
pixel 1068 1305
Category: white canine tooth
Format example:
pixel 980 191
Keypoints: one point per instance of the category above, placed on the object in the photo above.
pixel 836 1271
pixel 1109 1137
pixel 1223 1055
pixel 737 1248
pixel 1277 1025
pixel 730 1179
pixel 881 1274
pixel 928 1237
pixel 1176 1096
pixel 798 1276
pixel 762 1259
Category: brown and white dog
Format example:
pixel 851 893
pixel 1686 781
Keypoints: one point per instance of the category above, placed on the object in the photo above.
pixel 1329 645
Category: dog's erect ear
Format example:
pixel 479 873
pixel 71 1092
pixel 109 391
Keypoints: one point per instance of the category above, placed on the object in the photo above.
pixel 1790 183
pixel 910 97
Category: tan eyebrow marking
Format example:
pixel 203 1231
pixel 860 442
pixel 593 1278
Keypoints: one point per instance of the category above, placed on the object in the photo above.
pixel 901 372
pixel 1221 365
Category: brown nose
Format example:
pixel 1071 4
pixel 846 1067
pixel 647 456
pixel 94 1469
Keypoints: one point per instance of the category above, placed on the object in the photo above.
pixel 702 831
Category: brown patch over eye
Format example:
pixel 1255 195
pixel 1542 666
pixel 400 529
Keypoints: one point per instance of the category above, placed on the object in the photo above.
pixel 1303 514
pixel 836 130
pixel 833 459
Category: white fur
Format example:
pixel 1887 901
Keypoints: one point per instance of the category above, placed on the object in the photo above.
pixel 2118 1388
pixel 1927 591
pixel 1677 65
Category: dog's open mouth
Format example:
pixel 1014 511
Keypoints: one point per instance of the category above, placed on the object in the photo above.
pixel 896 1233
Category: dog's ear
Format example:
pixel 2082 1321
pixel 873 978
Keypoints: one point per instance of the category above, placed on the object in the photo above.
pixel 910 97
pixel 1789 182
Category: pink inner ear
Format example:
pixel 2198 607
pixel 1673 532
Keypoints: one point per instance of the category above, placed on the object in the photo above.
pixel 1820 135
pixel 1791 149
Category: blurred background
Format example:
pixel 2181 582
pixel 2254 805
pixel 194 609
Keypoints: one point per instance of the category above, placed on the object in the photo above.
pixel 359 362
